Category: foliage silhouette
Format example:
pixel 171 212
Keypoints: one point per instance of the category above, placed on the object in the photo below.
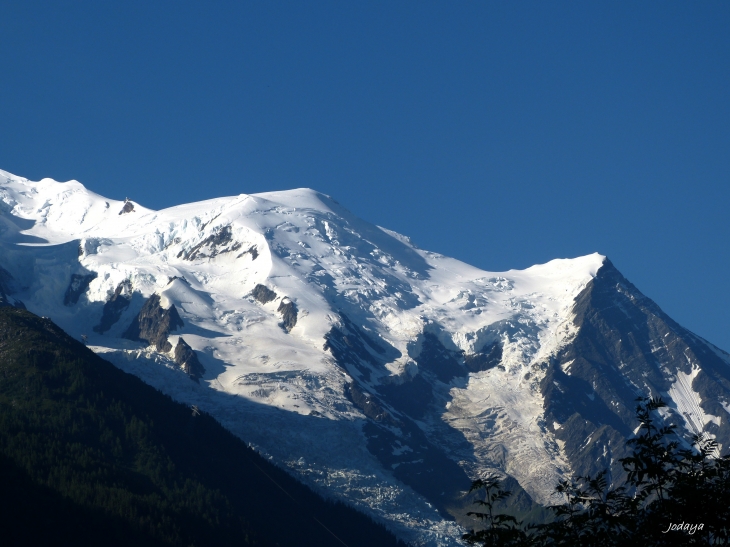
pixel 500 529
pixel 90 455
pixel 673 495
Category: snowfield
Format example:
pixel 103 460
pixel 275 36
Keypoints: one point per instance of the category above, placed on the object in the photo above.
pixel 281 390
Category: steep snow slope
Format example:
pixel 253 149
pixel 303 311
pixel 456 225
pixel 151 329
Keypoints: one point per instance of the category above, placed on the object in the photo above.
pixel 380 373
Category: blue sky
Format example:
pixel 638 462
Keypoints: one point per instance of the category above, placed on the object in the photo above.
pixel 501 133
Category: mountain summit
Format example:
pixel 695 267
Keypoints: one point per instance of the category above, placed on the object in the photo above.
pixel 376 372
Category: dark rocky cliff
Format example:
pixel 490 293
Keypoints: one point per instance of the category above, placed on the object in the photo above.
pixel 288 310
pixel 186 357
pixel 263 294
pixel 115 306
pixel 153 324
pixel 626 346
pixel 77 286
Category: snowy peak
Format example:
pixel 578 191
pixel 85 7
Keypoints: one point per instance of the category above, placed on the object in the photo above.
pixel 62 210
pixel 392 375
pixel 301 198
pixel 626 347
pixel 310 251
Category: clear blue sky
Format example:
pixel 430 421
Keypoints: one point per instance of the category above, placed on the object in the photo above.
pixel 501 133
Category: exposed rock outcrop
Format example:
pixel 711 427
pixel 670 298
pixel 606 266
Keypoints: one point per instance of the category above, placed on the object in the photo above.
pixel 77 286
pixel 288 310
pixel 128 207
pixel 253 251
pixel 438 360
pixel 368 405
pixel 153 324
pixel 217 243
pixel 263 294
pixel 115 306
pixel 626 345
pixel 349 350
pixel 186 357
pixel 489 357
pixel 355 351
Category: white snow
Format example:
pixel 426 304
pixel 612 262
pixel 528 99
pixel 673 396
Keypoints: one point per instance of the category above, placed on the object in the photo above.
pixel 259 378
pixel 688 402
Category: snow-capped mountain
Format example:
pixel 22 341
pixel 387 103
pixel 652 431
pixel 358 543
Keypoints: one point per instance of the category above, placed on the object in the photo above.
pixel 376 372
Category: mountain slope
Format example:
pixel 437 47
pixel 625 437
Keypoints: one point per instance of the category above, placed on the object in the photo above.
pixel 92 455
pixel 626 346
pixel 382 374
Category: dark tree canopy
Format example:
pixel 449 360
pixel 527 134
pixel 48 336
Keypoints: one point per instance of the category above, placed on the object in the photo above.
pixel 673 495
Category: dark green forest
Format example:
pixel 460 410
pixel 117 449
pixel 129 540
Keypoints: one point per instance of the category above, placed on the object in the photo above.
pixel 673 494
pixel 90 455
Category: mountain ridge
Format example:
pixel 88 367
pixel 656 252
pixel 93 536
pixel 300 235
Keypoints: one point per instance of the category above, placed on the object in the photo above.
pixel 383 363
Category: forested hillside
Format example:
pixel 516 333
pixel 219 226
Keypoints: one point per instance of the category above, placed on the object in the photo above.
pixel 90 455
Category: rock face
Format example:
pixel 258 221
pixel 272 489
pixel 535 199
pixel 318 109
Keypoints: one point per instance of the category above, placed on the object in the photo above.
pixel 115 306
pixel 215 244
pixel 186 357
pixel 263 294
pixel 354 350
pixel 485 359
pixel 153 324
pixel 253 251
pixel 627 346
pixel 368 405
pixel 288 310
pixel 128 208
pixel 78 285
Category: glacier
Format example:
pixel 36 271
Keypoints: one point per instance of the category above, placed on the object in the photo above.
pixel 343 398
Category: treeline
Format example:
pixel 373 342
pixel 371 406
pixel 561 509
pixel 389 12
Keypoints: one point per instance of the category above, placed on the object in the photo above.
pixel 90 455
pixel 672 495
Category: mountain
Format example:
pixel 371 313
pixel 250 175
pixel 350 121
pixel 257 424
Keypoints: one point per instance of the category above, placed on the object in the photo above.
pixel 378 373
